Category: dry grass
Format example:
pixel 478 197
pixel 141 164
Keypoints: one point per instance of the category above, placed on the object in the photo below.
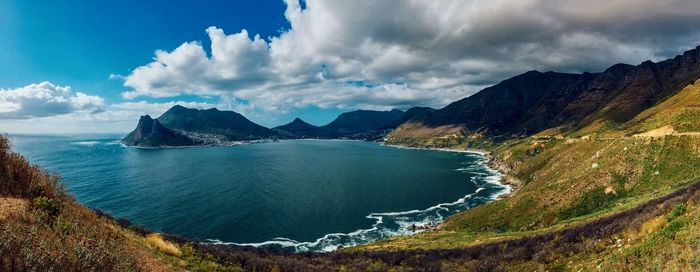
pixel 419 134
pixel 11 207
pixel 156 240
pixel 682 112
pixel 44 229
pixel 657 133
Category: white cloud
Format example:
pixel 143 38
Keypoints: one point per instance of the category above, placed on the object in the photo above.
pixel 399 53
pixel 113 118
pixel 46 99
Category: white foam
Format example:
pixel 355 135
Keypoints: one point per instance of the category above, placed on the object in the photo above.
pixel 472 151
pixel 87 143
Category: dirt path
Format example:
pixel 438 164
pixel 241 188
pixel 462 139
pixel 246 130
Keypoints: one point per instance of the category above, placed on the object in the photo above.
pixel 665 131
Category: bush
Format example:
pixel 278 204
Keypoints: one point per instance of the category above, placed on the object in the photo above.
pixel 677 211
pixel 670 230
pixel 590 201
pixel 20 179
pixel 48 205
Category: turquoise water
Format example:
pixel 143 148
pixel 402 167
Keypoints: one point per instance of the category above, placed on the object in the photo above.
pixel 305 195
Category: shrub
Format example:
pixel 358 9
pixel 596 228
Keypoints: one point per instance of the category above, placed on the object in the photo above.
pixel 670 230
pixel 677 211
pixel 50 206
pixel 590 202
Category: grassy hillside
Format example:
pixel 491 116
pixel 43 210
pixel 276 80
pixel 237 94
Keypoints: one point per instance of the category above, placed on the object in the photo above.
pixel 569 177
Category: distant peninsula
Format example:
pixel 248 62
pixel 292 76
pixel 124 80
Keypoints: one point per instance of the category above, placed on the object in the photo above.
pixel 181 126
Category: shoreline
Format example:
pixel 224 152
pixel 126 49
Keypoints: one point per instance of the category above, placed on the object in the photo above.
pixel 445 149
pixel 492 162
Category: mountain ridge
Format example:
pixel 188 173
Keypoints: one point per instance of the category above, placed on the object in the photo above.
pixel 298 128
pixel 229 124
pixel 215 127
pixel 150 132
pixel 535 101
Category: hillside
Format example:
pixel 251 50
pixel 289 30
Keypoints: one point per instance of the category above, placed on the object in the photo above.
pixel 534 101
pixel 359 124
pixel 362 124
pixel 150 133
pixel 229 124
pixel 180 126
pixel 42 228
pixel 567 180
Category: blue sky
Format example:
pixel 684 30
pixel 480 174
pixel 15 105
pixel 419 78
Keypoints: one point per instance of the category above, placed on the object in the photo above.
pixel 95 66
pixel 81 42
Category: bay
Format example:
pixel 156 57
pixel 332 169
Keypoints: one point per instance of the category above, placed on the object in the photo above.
pixel 301 195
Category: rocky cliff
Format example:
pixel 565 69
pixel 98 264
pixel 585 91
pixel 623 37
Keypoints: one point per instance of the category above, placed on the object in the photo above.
pixel 151 133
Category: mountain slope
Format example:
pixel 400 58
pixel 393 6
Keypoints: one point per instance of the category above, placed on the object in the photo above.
pixel 150 133
pixel 231 125
pixel 364 124
pixel 535 101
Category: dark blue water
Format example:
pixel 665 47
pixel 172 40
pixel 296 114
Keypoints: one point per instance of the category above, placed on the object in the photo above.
pixel 302 195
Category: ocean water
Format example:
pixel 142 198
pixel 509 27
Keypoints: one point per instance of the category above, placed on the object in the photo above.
pixel 305 195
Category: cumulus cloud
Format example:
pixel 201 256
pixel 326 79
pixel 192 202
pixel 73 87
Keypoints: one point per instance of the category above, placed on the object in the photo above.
pixel 400 53
pixel 46 99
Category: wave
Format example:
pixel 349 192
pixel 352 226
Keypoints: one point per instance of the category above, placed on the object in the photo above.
pixel 471 151
pixel 87 143
pixel 99 142
pixel 387 224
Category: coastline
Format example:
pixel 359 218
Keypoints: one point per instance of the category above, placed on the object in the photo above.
pixel 412 222
pixel 492 162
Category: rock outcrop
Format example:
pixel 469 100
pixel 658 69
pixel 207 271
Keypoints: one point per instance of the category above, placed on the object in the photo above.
pixel 151 133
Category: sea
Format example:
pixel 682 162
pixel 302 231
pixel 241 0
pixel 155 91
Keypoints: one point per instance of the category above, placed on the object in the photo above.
pixel 295 195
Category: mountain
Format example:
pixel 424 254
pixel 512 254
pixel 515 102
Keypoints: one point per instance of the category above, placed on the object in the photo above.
pixel 412 114
pixel 362 124
pixel 359 124
pixel 184 126
pixel 150 133
pixel 535 101
pixel 298 129
pixel 215 123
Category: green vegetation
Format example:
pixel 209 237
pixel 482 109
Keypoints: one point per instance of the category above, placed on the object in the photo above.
pixel 590 201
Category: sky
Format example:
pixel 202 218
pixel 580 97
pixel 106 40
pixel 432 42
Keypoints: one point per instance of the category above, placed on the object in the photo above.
pixel 96 66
